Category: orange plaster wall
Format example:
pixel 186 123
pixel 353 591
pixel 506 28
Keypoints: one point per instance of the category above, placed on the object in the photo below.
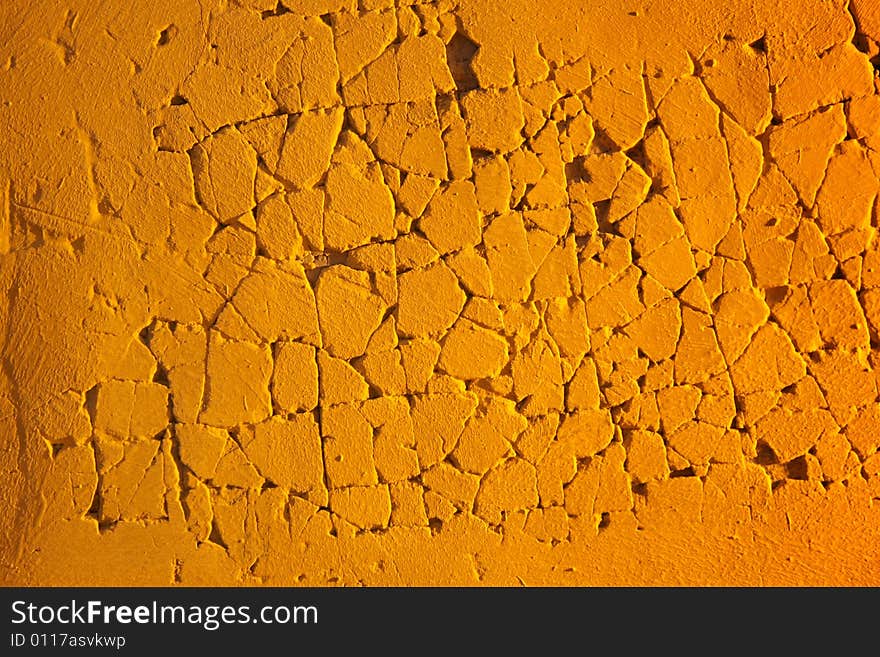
pixel 415 293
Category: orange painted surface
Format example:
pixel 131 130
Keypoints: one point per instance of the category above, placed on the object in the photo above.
pixel 391 292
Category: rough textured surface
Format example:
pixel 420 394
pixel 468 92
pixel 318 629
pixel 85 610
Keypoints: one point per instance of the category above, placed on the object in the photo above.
pixel 454 292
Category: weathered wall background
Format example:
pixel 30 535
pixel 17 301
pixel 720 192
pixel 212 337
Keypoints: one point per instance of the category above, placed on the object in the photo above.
pixel 327 292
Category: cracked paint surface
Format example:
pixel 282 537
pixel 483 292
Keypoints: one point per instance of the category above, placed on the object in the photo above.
pixel 391 292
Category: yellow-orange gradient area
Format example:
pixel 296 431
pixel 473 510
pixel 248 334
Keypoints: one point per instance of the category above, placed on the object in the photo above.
pixel 401 292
